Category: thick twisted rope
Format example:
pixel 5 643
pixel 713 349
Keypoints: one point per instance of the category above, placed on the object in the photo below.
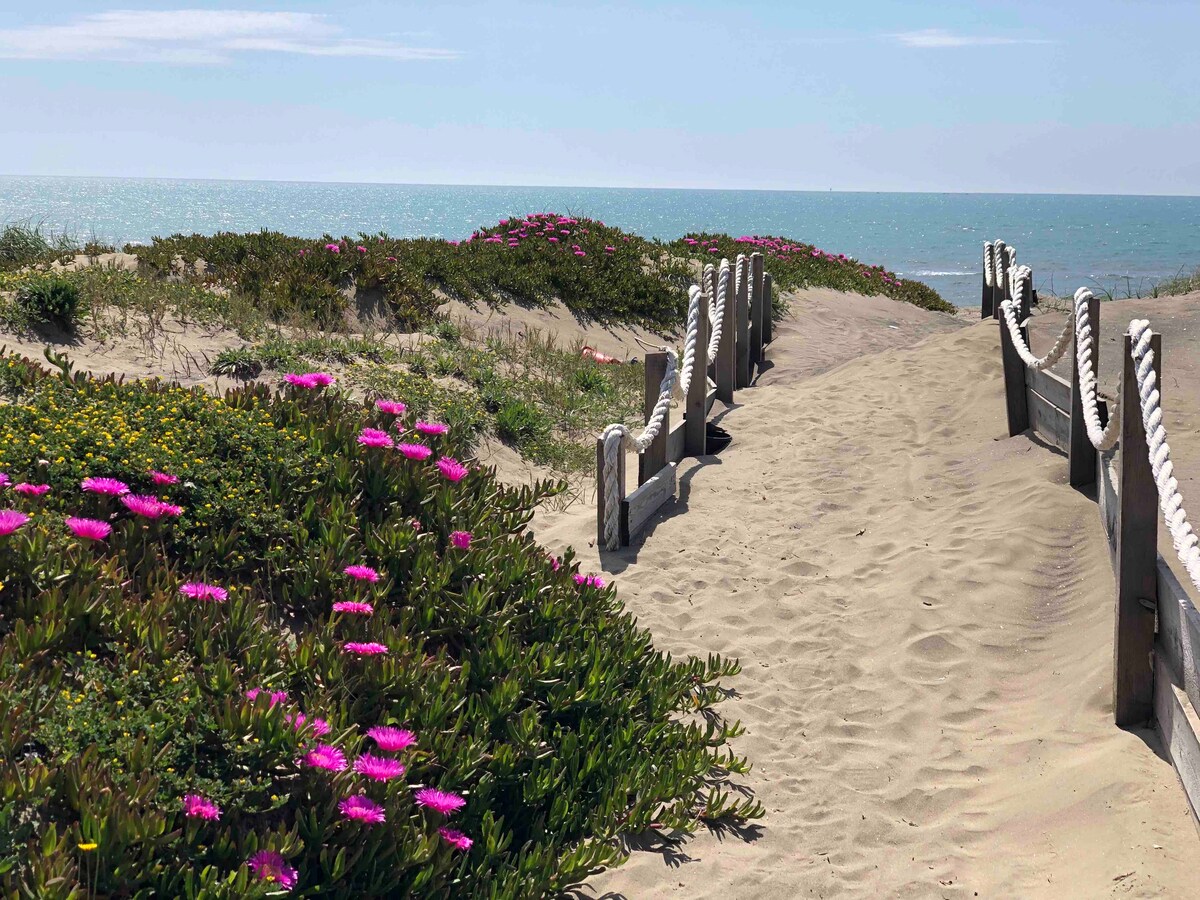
pixel 1187 545
pixel 717 310
pixel 989 272
pixel 1019 279
pixel 695 295
pixel 1101 438
pixel 999 258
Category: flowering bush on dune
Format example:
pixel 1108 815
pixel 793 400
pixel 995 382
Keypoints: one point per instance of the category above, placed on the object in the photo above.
pixel 795 264
pixel 318 665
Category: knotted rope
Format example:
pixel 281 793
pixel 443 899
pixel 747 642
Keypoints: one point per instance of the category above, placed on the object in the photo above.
pixel 1187 545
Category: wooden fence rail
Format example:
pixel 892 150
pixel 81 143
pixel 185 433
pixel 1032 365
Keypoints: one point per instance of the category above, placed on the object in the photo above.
pixel 746 330
pixel 1156 642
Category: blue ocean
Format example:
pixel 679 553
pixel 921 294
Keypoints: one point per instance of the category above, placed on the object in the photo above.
pixel 1121 244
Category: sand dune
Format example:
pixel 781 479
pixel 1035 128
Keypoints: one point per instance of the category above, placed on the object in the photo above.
pixel 923 611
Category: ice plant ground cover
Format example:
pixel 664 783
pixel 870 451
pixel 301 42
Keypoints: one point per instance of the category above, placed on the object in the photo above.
pixel 180 717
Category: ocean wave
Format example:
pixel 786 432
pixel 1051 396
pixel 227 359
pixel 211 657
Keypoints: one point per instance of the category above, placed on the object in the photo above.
pixel 924 273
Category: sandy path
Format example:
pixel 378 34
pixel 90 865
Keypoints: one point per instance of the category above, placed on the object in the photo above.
pixel 922 608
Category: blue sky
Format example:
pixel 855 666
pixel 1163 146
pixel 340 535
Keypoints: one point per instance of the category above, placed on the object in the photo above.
pixel 1095 97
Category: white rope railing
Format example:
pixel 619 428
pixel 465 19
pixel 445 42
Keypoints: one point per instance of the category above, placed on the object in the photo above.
pixel 989 265
pixel 617 437
pixel 1187 545
pixel 1101 438
pixel 1018 278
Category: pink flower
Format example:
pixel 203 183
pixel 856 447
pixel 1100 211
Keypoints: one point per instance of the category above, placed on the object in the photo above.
pixel 11 520
pixel 367 648
pixel 580 253
pixel 555 563
pixel 362 809
pixel 391 739
pixel 276 696
pixel 353 607
pixel 89 529
pixel 391 407
pixel 361 249
pixel 270 866
pixel 149 507
pixel 326 756
pixel 333 248
pixel 373 437
pixel 440 801
pixel 451 468
pixel 5 481
pixel 107 486
pixel 415 451
pixel 432 427
pixel 589 580
pixel 322 379
pixel 455 839
pixel 320 727
pixel 31 490
pixel 197 807
pixel 198 590
pixel 378 768
pixel 461 539
pixel 162 478
pixel 310 381
pixel 362 573
pixel 391 259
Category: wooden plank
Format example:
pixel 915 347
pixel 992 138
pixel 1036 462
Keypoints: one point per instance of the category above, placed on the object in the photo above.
pixel 742 343
pixel 677 442
pixel 1014 383
pixel 726 363
pixel 639 507
pixel 695 413
pixel 1053 388
pixel 710 400
pixel 654 457
pixel 1179 727
pixel 1106 494
pixel 756 308
pixel 1137 555
pixel 1048 421
pixel 768 308
pixel 1082 465
pixel 600 493
pixel 1178 640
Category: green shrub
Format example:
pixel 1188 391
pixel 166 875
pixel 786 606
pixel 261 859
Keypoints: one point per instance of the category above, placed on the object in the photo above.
pixel 518 423
pixel 534 698
pixel 23 244
pixel 50 299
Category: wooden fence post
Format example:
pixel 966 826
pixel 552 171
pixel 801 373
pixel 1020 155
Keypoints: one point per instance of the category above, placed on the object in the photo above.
pixel 1082 460
pixel 726 362
pixel 742 344
pixel 756 308
pixel 768 322
pixel 601 507
pixel 1137 555
pixel 654 458
pixel 695 413
pixel 1016 401
pixel 999 279
pixel 985 306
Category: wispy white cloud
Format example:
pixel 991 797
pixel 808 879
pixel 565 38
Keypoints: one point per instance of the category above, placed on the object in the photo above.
pixel 197 37
pixel 940 37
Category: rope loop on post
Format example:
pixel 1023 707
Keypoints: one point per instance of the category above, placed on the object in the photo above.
pixel 989 271
pixel 1018 279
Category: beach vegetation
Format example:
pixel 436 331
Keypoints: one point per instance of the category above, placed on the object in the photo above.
pixel 269 642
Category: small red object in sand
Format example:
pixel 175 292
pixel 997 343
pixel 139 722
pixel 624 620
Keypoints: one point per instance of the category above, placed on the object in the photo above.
pixel 591 353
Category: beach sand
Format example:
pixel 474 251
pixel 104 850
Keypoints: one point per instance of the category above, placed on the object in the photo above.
pixel 923 610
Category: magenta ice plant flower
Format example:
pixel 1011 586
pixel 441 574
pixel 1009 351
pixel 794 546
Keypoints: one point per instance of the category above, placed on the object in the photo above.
pixel 31 490
pixel 5 481
pixel 440 801
pixel 162 478
pixel 197 807
pixel 455 838
pixel 373 437
pixel 353 607
pixel 269 866
pixel 199 590
pixel 149 507
pixel 11 520
pixel 452 469
pixel 276 696
pixel 110 487
pixel 327 757
pixel 461 539
pixel 434 428
pixel 418 452
pixel 378 768
pixel 89 529
pixel 391 407
pixel 391 740
pixel 589 580
pixel 361 573
pixel 362 809
pixel 320 727
pixel 364 648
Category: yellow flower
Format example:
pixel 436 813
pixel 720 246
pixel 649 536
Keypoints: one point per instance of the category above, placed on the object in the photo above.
pixel 87 848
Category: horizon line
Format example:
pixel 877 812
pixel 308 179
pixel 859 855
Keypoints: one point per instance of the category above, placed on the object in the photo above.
pixel 609 187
